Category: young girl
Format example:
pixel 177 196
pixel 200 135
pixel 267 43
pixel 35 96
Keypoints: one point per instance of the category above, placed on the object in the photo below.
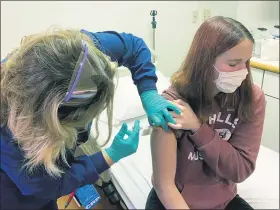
pixel 215 141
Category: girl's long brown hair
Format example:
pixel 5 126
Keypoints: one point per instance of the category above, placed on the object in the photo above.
pixel 194 80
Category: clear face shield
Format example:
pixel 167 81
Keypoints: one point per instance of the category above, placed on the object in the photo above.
pixel 81 89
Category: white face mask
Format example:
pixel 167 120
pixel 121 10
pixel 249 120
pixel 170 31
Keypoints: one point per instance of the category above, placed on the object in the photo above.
pixel 228 82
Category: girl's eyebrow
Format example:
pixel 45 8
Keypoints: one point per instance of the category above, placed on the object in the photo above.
pixel 238 60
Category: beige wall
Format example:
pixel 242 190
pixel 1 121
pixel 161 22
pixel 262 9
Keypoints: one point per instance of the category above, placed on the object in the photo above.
pixel 175 28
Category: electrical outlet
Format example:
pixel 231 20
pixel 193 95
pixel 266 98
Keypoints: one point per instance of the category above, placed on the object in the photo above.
pixel 194 16
pixel 206 14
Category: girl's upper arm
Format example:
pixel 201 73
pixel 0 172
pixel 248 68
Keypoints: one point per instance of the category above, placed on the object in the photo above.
pixel 164 154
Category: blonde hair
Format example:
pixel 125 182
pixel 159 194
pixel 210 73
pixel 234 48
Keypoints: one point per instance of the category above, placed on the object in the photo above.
pixel 34 81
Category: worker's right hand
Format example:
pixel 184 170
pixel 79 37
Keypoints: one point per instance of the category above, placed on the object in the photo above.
pixel 157 109
pixel 122 146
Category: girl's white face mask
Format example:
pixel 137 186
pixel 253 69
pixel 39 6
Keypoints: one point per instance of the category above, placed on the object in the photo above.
pixel 228 82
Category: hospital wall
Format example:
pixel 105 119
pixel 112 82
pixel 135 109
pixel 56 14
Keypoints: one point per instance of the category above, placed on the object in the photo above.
pixel 258 13
pixel 174 32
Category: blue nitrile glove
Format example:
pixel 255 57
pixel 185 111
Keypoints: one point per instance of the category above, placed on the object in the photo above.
pixel 157 107
pixel 123 147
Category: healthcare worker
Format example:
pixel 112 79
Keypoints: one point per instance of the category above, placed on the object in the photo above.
pixel 52 87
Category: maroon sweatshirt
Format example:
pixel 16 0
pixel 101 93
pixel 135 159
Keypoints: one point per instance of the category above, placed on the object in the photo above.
pixel 220 154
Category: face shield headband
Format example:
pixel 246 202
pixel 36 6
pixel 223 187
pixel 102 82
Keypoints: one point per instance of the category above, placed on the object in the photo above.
pixel 81 89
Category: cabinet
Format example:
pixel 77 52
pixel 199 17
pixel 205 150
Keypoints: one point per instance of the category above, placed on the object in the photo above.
pixel 270 136
pixel 257 76
pixel 269 82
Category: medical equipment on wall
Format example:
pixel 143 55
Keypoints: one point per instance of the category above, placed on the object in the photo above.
pixel 266 45
pixel 270 49
pixel 153 13
pixel 275 31
pixel 259 36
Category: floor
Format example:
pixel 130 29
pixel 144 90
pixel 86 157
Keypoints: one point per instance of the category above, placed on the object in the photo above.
pixel 104 203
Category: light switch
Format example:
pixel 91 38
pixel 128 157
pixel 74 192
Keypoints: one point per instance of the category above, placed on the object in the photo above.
pixel 206 14
pixel 194 16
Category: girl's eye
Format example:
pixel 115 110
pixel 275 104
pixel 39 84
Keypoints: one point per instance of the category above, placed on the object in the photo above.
pixel 232 65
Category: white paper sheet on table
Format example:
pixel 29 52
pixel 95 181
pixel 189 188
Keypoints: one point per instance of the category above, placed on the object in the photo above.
pixel 261 189
pixel 133 174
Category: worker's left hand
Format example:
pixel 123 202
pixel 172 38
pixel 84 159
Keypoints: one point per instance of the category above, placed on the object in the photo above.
pixel 157 107
pixel 187 120
pixel 125 142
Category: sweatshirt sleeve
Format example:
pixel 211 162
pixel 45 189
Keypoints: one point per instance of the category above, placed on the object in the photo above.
pixel 234 160
pixel 129 51
pixel 84 170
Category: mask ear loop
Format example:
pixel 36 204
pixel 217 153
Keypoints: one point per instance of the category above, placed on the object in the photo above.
pixel 78 74
pixel 215 80
pixel 216 68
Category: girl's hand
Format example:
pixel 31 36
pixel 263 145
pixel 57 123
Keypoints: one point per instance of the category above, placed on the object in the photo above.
pixel 187 120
